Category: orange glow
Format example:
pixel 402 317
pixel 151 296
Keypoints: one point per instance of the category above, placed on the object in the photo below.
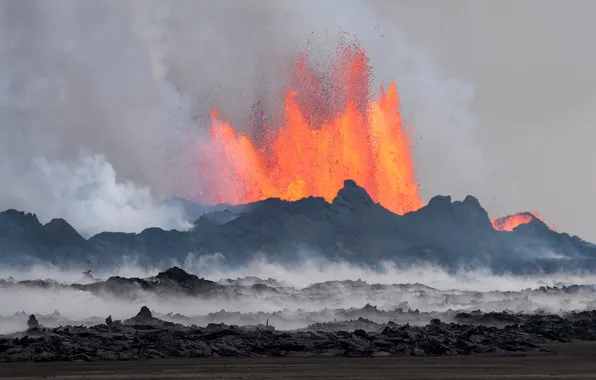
pixel 331 131
pixel 508 223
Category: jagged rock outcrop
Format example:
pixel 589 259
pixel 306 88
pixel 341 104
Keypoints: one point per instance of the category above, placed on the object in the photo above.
pixel 144 317
pixel 32 322
pixel 174 281
pixel 144 314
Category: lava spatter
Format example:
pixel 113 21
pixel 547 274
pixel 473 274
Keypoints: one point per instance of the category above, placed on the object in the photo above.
pixel 510 222
pixel 332 130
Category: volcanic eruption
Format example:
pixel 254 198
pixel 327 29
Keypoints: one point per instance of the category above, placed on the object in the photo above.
pixel 331 130
pixel 510 222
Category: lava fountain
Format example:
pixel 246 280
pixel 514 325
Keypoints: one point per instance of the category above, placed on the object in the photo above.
pixel 331 131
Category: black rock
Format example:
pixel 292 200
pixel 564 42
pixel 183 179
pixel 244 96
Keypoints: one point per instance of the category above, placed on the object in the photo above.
pixel 163 340
pixel 144 314
pixel 32 322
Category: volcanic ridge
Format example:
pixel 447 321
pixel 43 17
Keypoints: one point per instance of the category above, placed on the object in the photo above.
pixel 352 228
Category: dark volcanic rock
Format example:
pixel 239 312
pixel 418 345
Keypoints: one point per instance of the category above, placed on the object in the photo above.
pixel 144 314
pixel 353 197
pixel 191 282
pixel 24 238
pixel 172 281
pixel 145 318
pixel 32 322
pixel 488 319
pixel 160 339
pixel 352 227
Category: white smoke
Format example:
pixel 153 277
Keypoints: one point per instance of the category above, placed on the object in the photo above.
pixel 87 193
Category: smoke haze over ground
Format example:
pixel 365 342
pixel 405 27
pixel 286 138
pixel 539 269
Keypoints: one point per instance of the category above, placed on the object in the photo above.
pixel 315 291
pixel 119 91
pixel 313 269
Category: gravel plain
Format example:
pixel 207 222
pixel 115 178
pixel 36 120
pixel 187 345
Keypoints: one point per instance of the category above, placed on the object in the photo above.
pixel 566 361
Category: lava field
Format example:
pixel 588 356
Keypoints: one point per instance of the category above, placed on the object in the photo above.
pixel 270 318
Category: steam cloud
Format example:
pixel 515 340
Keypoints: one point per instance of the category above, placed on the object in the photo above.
pixel 130 84
pixel 87 192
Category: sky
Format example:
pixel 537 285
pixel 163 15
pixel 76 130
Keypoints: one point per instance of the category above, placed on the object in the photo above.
pixel 534 78
pixel 101 102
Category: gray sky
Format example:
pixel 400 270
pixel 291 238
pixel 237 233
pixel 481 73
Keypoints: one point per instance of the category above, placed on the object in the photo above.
pixel 534 74
pixel 502 95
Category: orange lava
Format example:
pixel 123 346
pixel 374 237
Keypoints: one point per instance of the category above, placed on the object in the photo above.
pixel 508 223
pixel 331 131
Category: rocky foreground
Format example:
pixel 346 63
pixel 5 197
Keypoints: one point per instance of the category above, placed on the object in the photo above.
pixel 147 337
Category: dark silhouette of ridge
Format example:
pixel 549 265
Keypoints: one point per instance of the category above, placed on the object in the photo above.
pixel 448 233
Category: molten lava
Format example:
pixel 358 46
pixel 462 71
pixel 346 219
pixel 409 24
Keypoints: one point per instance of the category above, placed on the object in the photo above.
pixel 331 131
pixel 508 223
